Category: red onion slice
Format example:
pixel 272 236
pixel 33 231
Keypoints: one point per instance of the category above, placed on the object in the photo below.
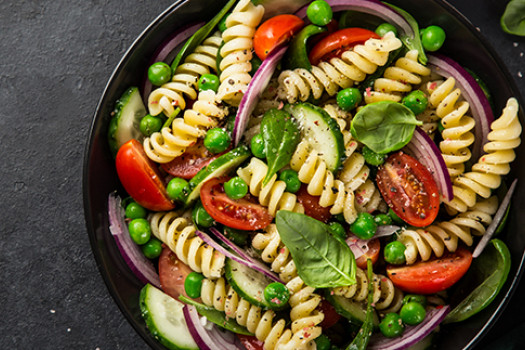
pixel 359 247
pixel 412 334
pixel 141 266
pixel 427 153
pixel 259 82
pixel 473 94
pixel 164 51
pixel 500 214
pixel 206 334
pixel 251 263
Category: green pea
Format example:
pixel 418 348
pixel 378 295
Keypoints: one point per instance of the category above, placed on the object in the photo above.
pixel 415 297
pixel 139 230
pixel 395 217
pixel 364 226
pixel 236 188
pixel 152 248
pixel 217 140
pixel 392 325
pixel 337 230
pixel 222 23
pixel 159 73
pixel 349 98
pixel 200 216
pixel 291 179
pixel 238 237
pixel 319 12
pixel 323 342
pixel 416 101
pixel 209 82
pixel 384 28
pixel 135 211
pixel 432 38
pixel 394 253
pixel 382 219
pixel 373 158
pixel 193 284
pixel 178 189
pixel 276 294
pixel 257 146
pixel 412 313
pixel 150 124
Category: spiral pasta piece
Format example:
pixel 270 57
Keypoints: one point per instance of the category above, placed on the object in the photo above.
pixel 398 79
pixel 164 146
pixel 178 233
pixel 237 50
pixel 444 236
pixel 457 135
pixel 272 195
pixel 485 175
pixel 219 295
pixel 184 81
pixel 338 73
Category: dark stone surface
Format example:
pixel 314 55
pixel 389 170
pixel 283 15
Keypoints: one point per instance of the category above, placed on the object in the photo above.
pixel 55 59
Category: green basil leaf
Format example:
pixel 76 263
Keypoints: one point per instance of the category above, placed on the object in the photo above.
pixel 297 54
pixel 384 126
pixel 513 19
pixel 196 39
pixel 281 136
pixel 322 260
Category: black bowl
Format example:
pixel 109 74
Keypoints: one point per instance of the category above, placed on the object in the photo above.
pixel 464 44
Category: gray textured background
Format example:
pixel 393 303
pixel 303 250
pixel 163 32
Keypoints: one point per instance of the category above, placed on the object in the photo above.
pixel 55 59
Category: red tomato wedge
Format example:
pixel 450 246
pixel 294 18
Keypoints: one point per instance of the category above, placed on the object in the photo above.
pixel 240 214
pixel 141 178
pixel 409 189
pixel 334 44
pixel 274 31
pixel 331 317
pixel 311 205
pixel 190 162
pixel 250 342
pixel 374 247
pixel 432 276
pixel 172 273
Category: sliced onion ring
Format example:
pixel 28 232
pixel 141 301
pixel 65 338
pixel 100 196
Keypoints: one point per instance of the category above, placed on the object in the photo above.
pixel 259 82
pixel 359 247
pixel 412 334
pixel 131 253
pixel 426 152
pixel 251 263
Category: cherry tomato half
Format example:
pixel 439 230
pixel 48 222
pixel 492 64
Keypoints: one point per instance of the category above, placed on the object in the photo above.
pixel 432 276
pixel 311 205
pixel 334 44
pixel 374 247
pixel 250 342
pixel 331 317
pixel 190 162
pixel 141 178
pixel 274 31
pixel 241 214
pixel 409 189
pixel 172 273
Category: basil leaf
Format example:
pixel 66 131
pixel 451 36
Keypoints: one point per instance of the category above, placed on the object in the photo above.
pixel 384 126
pixel 281 136
pixel 513 19
pixel 196 39
pixel 322 260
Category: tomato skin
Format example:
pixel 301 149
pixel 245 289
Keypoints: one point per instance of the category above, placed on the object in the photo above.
pixel 403 180
pixel 334 44
pixel 190 162
pixel 331 317
pixel 274 31
pixel 250 342
pixel 140 177
pixel 311 205
pixel 432 276
pixel 240 214
pixel 172 273
pixel 374 247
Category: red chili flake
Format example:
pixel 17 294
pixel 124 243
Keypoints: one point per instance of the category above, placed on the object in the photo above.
pixel 281 105
pixel 316 122
pixel 432 86
pixel 276 301
pixel 368 91
pixel 154 102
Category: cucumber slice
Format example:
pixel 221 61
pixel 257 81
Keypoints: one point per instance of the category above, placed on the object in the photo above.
pixel 217 317
pixel 248 283
pixel 354 311
pixel 125 124
pixel 218 167
pixel 321 131
pixel 165 319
